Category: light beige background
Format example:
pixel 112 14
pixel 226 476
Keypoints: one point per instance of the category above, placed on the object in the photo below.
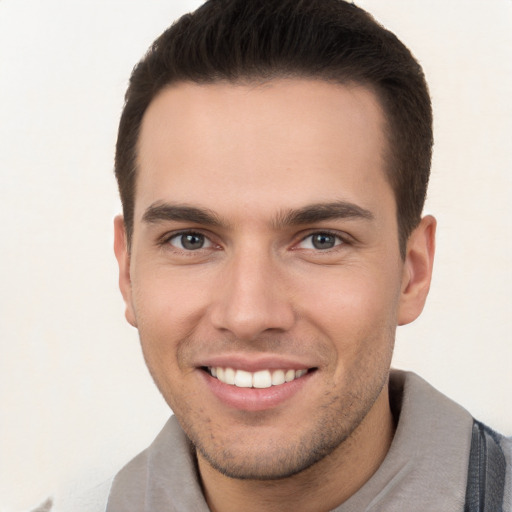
pixel 76 399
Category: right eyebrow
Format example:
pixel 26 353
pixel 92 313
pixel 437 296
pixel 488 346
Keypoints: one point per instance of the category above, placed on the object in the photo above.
pixel 161 212
pixel 319 212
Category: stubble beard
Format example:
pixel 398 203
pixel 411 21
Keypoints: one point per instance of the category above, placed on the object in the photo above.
pixel 278 460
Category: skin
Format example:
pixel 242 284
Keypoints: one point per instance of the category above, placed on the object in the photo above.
pixel 253 157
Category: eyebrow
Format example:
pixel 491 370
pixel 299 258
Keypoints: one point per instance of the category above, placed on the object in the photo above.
pixel 322 211
pixel 161 212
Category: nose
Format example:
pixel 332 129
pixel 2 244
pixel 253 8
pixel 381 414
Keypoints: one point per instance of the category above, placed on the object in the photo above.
pixel 252 297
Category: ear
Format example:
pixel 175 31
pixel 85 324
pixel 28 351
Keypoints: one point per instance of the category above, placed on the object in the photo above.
pixel 417 273
pixel 123 260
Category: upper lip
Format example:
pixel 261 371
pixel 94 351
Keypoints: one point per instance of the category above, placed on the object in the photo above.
pixel 255 362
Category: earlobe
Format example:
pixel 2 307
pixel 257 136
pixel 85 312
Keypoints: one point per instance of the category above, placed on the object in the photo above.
pixel 417 272
pixel 123 260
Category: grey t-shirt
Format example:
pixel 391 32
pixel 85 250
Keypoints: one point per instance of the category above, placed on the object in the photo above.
pixel 425 469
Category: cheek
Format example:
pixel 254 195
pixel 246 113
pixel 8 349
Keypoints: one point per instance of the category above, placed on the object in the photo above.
pixel 168 310
pixel 352 298
pixel 357 311
pixel 164 296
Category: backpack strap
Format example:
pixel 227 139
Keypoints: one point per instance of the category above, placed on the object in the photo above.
pixel 486 473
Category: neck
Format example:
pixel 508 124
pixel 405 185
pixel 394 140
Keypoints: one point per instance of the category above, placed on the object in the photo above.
pixel 321 487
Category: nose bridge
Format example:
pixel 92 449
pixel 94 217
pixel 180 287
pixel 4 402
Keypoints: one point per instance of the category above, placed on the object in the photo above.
pixel 252 297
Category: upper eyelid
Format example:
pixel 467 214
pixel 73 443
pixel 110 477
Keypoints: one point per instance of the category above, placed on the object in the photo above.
pixel 177 232
pixel 342 235
pixel 164 239
pixel 164 242
pixel 342 241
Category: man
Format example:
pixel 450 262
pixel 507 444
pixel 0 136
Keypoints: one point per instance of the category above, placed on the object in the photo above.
pixel 272 160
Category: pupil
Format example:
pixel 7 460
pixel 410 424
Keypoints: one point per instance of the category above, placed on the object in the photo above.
pixel 192 241
pixel 323 241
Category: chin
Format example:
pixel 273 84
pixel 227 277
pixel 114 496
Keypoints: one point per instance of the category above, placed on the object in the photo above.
pixel 270 457
pixel 265 467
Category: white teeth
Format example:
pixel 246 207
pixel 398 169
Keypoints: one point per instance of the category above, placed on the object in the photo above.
pixel 278 378
pixel 289 375
pixel 229 376
pixel 260 379
pixel 243 379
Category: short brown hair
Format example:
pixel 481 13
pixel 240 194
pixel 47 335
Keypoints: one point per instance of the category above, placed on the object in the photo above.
pixel 333 40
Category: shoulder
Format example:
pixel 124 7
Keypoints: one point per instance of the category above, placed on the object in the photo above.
pixel 162 473
pixel 481 457
pixel 506 447
pixel 507 450
pixel 91 500
pixel 489 470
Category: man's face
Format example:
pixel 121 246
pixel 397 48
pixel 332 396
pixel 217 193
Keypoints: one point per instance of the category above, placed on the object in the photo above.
pixel 265 250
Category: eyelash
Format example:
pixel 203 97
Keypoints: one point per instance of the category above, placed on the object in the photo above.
pixel 343 239
pixel 166 239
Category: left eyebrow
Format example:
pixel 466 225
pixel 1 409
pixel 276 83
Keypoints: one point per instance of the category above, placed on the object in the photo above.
pixel 161 212
pixel 322 211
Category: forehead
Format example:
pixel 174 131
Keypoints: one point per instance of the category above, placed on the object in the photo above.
pixel 276 144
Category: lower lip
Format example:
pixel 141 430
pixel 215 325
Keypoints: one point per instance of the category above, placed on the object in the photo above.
pixel 254 399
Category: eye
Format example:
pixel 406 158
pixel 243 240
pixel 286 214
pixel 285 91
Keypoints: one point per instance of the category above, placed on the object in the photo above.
pixel 320 241
pixel 190 241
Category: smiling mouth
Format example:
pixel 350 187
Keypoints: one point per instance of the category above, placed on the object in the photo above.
pixel 259 380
